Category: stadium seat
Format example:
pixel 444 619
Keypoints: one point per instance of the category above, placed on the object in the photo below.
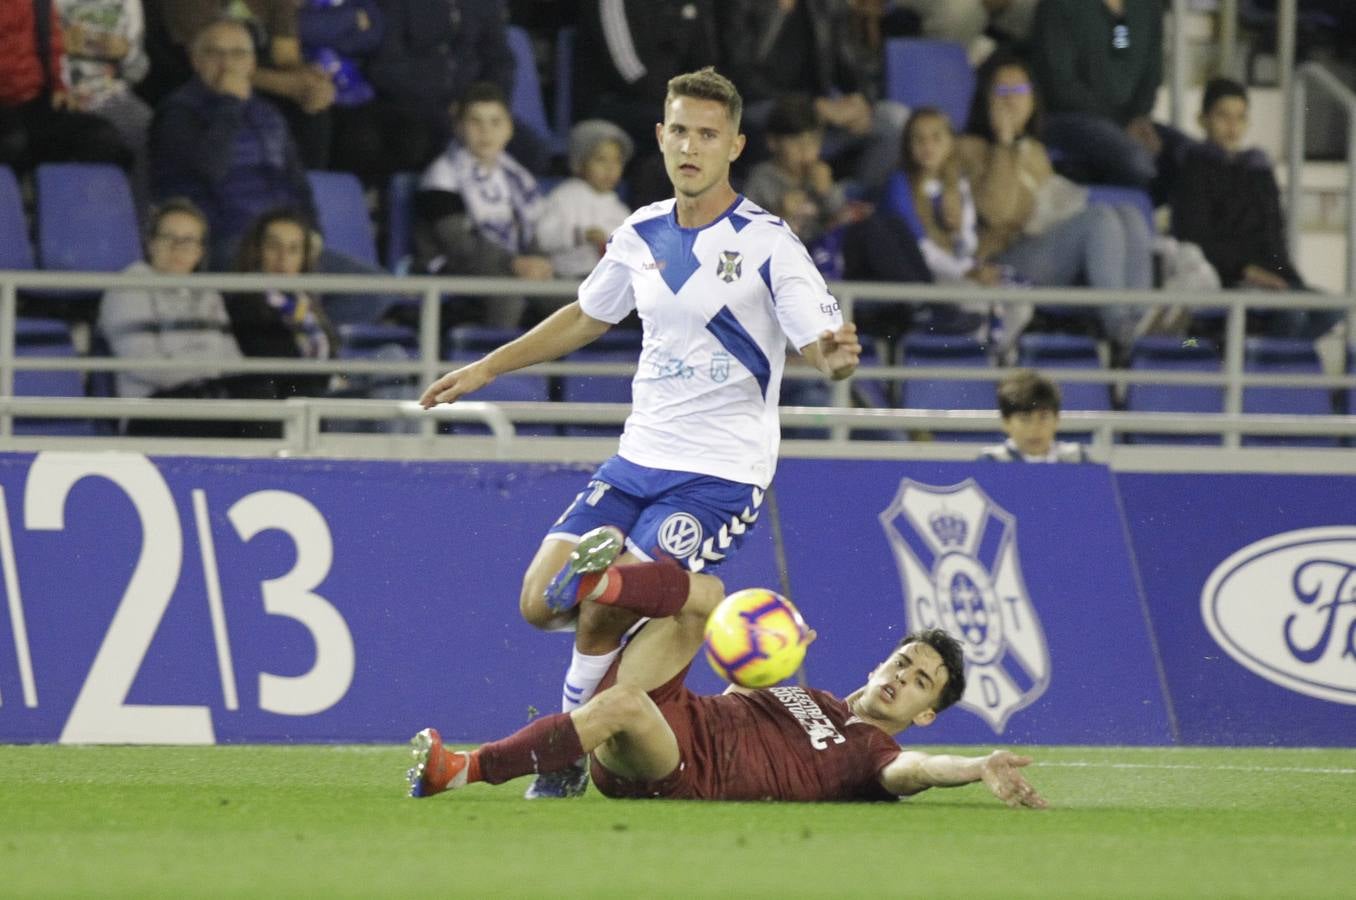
pixel 1171 353
pixel 16 250
pixel 365 341
pixel 87 220
pixel 400 220
pixel 47 338
pixel 1067 351
pixel 805 392
pixel 922 349
pixel 344 219
pixel 470 342
pixel 922 72
pixel 564 86
pixel 526 102
pixel 617 345
pixel 1285 356
pixel 1113 195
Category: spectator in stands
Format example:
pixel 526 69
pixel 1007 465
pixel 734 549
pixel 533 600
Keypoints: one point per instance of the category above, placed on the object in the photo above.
pixel 796 183
pixel 39 119
pixel 283 324
pixel 775 47
pixel 477 209
pixel 371 135
pixel 1228 203
pixel 171 323
pixel 1038 223
pixel 105 58
pixel 1029 405
pixel 431 53
pixel 215 141
pixel 967 21
pixel 933 195
pixel 1099 64
pixel 582 212
pixel 303 92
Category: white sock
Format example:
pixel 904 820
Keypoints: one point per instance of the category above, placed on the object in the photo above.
pixel 582 679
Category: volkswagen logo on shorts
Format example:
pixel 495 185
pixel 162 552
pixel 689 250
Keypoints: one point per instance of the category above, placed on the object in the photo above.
pixel 680 535
pixel 1284 608
pixel 957 555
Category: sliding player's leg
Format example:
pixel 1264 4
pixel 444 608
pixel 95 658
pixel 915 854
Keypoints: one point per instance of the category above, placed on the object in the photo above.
pixel 622 725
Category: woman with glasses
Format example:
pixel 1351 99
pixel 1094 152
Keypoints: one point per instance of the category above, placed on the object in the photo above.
pixel 1035 221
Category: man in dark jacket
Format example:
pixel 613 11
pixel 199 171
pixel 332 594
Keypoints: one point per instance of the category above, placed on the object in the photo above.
pixel 216 143
pixel 1098 64
pixel 815 47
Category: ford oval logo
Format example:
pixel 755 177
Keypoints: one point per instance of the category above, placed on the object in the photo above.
pixel 1285 608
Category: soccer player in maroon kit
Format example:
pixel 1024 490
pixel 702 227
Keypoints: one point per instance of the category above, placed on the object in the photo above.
pixel 649 736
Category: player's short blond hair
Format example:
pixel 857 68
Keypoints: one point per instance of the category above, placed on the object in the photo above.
pixel 707 84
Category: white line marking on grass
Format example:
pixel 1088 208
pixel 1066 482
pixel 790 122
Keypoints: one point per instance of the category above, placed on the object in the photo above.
pixel 1305 770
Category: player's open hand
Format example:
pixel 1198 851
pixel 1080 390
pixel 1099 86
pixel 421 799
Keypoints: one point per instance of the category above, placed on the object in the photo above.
pixel 841 349
pixel 455 385
pixel 1000 772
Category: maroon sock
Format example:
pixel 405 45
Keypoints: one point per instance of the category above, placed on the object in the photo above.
pixel 654 589
pixel 547 745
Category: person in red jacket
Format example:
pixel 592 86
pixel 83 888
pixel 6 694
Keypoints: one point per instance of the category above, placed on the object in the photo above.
pixel 37 121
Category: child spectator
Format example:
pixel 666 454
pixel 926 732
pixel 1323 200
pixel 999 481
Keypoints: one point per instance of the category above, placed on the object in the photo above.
pixel 796 183
pixel 1029 406
pixel 477 209
pixel 277 323
pixel 582 212
pixel 1228 203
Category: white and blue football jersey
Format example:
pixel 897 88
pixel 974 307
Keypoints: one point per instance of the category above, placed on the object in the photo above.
pixel 718 305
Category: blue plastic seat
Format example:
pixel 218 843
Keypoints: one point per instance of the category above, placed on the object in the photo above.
pixel 400 219
pixel 1117 195
pixel 1285 356
pixel 87 220
pixel 47 338
pixel 619 345
pixel 342 210
pixel 16 250
pixel 1170 353
pixel 923 72
pixel 526 103
pixel 359 340
pixel 1067 351
pixel 564 87
pixel 466 343
pixel 921 349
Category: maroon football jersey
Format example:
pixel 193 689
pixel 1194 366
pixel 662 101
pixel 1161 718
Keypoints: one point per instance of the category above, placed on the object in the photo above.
pixel 781 743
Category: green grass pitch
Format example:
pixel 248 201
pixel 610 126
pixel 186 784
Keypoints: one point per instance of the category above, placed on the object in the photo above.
pixel 334 821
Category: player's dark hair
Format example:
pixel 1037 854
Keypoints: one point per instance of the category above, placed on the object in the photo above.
pixel 953 657
pixel 1217 89
pixel 707 84
pixel 793 114
pixel 979 122
pixel 917 117
pixel 1026 391
pixel 250 255
pixel 481 92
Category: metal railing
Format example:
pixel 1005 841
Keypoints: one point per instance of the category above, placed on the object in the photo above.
pixel 1231 424
pixel 1306 76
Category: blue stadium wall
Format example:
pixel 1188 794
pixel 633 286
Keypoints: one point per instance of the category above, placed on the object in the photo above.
pixel 193 600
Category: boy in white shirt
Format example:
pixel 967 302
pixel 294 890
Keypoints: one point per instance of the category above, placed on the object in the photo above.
pixel 581 214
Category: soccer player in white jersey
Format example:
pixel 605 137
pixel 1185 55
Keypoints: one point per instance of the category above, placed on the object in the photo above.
pixel 720 285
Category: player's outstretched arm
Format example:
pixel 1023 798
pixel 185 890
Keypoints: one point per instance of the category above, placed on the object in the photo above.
pixel 913 772
pixel 566 330
pixel 835 353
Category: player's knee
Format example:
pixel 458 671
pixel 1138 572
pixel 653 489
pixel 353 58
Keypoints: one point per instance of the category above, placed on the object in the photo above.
pixel 704 594
pixel 623 706
pixel 532 603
